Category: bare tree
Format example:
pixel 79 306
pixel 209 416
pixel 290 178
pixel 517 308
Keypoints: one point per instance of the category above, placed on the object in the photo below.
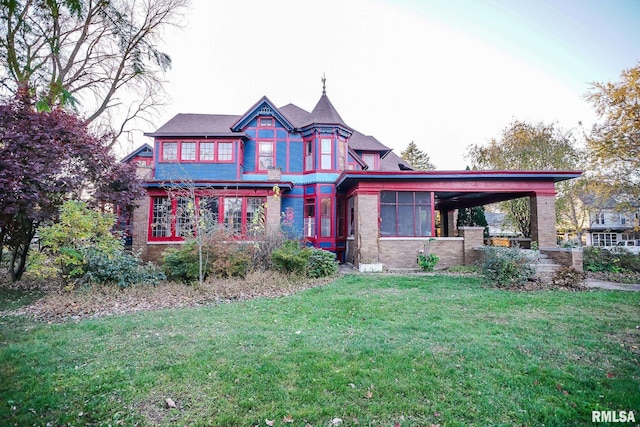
pixel 88 55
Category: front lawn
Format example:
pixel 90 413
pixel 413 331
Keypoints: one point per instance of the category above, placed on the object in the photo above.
pixel 366 350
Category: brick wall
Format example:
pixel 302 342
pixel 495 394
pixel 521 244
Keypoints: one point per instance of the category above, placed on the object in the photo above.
pixel 570 257
pixel 403 253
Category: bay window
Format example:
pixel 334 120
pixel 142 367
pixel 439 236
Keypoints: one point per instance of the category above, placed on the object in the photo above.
pixel 310 218
pixel 405 213
pixel 174 218
pixel 225 151
pixel 325 217
pixel 326 156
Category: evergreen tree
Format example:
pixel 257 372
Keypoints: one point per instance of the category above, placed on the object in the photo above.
pixel 417 158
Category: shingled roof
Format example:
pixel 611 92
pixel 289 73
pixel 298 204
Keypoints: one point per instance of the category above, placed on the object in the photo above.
pixel 325 113
pixel 198 125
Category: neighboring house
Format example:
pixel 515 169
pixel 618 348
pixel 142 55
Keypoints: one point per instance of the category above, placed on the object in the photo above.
pixel 610 227
pixel 341 189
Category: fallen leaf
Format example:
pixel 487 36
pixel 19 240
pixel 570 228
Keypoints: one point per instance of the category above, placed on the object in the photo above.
pixel 170 403
pixel 269 422
pixel 336 421
pixel 436 414
pixel 610 375
pixel 352 385
pixel 287 419
pixel 369 394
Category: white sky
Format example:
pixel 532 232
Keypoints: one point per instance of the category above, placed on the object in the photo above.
pixel 442 73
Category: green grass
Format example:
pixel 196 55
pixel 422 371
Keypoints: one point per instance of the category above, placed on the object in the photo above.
pixel 371 350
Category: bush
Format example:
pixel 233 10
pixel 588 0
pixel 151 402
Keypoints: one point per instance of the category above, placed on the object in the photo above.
pixel 615 260
pixel 122 268
pixel 182 264
pixel 291 258
pixel 321 263
pixel 506 265
pixel 428 263
pixel 568 277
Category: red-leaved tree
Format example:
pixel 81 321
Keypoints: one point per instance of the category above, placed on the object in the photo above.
pixel 45 159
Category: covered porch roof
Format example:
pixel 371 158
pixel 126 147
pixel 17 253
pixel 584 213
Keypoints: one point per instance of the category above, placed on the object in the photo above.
pixel 458 189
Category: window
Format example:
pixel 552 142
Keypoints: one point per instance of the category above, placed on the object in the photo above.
pixel 169 151
pixel 206 151
pixel 405 213
pixel 233 213
pixel 185 216
pixel 255 219
pixel 604 239
pixel 600 219
pixel 310 218
pixel 340 217
pixel 325 154
pixel 188 151
pixel 175 218
pixel 325 217
pixel 161 217
pixel 265 121
pixel 265 155
pixel 225 151
pixel 308 155
pixel 350 216
pixel 370 160
pixel 209 210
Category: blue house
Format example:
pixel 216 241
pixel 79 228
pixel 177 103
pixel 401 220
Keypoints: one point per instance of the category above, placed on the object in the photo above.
pixel 338 188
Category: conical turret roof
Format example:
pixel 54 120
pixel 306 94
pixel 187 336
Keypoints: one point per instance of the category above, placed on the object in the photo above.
pixel 325 113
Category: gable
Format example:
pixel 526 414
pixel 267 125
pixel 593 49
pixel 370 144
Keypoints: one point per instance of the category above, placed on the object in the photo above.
pixel 263 108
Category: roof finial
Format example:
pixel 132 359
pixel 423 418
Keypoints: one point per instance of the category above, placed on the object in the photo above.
pixel 324 84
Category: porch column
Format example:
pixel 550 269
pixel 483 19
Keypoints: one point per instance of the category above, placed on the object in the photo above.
pixel 141 228
pixel 448 218
pixel 365 231
pixel 543 220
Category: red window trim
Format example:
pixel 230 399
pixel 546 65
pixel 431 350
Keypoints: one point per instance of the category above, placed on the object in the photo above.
pixel 216 146
pixel 330 154
pixel 174 204
pixel 273 153
pixel 397 204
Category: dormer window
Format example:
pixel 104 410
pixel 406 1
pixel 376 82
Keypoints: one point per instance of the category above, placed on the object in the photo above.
pixel 265 121
pixel 371 160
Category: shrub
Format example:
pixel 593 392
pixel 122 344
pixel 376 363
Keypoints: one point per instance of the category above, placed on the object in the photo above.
pixel 428 262
pixel 290 257
pixel 616 260
pixel 123 268
pixel 506 265
pixel 321 263
pixel 182 264
pixel 568 277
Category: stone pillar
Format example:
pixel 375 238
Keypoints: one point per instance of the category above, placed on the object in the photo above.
pixel 140 229
pixel 366 229
pixel 473 238
pixel 272 220
pixel 543 220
